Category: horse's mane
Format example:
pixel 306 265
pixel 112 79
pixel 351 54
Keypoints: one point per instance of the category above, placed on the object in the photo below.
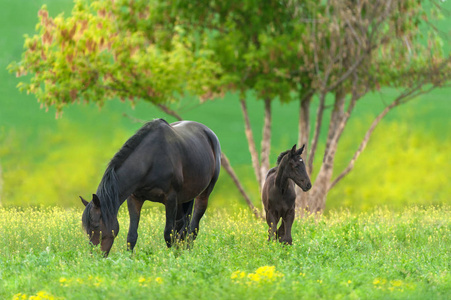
pixel 133 142
pixel 108 188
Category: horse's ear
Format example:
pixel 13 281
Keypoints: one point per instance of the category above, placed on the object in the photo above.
pixel 300 150
pixel 96 200
pixel 83 200
pixel 293 150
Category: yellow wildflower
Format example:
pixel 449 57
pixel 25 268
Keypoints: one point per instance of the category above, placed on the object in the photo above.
pixel 237 275
pixel 396 283
pixel 159 280
pixel 20 296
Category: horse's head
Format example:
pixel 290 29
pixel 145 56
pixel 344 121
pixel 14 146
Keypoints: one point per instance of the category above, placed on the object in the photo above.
pixel 95 226
pixel 294 168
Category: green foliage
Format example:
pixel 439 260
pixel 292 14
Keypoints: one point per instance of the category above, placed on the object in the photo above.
pixel 105 50
pixel 373 255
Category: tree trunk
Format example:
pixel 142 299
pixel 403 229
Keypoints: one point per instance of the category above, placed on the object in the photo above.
pixel 317 196
pixel 266 143
pixel 303 137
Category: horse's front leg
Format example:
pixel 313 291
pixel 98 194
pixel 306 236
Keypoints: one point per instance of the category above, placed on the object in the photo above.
pixel 272 221
pixel 134 211
pixel 171 215
pixel 287 220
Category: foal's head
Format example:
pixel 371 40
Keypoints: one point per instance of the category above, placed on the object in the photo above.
pixel 294 168
pixel 95 227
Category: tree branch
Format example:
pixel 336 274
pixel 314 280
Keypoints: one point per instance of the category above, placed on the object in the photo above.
pixel 251 142
pixel 318 123
pixel 401 99
pixel 226 164
pixel 169 111
pixel 266 142
pixel 362 144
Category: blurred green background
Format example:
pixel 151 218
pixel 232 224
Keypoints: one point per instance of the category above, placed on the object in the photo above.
pixel 48 161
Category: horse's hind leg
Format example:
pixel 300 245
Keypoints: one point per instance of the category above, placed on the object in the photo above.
pixel 134 211
pixel 184 212
pixel 200 206
pixel 171 217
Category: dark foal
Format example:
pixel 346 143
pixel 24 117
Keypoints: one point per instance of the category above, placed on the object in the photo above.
pixel 279 196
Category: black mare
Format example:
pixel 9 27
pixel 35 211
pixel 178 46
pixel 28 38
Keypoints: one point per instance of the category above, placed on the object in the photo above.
pixel 279 196
pixel 172 164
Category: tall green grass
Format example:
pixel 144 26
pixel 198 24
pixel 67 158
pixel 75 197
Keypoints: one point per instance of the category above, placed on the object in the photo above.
pixel 373 255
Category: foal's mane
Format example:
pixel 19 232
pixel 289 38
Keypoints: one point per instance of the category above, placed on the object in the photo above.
pixel 108 190
pixel 279 159
pixel 281 155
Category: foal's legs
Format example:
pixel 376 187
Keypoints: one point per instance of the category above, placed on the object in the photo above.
pixel 287 222
pixel 272 221
pixel 134 211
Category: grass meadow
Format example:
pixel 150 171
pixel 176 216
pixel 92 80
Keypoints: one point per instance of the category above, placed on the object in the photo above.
pixel 385 234
pixel 370 255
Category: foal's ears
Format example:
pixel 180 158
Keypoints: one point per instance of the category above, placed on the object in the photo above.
pixel 299 152
pixel 83 201
pixel 293 151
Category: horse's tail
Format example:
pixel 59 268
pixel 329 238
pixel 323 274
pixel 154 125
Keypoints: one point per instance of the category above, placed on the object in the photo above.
pixel 216 146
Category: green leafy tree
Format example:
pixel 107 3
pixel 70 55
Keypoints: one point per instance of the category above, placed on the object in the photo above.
pixel 136 49
pixel 114 49
pixel 338 49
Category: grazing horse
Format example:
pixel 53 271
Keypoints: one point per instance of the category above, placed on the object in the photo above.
pixel 172 164
pixel 278 193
